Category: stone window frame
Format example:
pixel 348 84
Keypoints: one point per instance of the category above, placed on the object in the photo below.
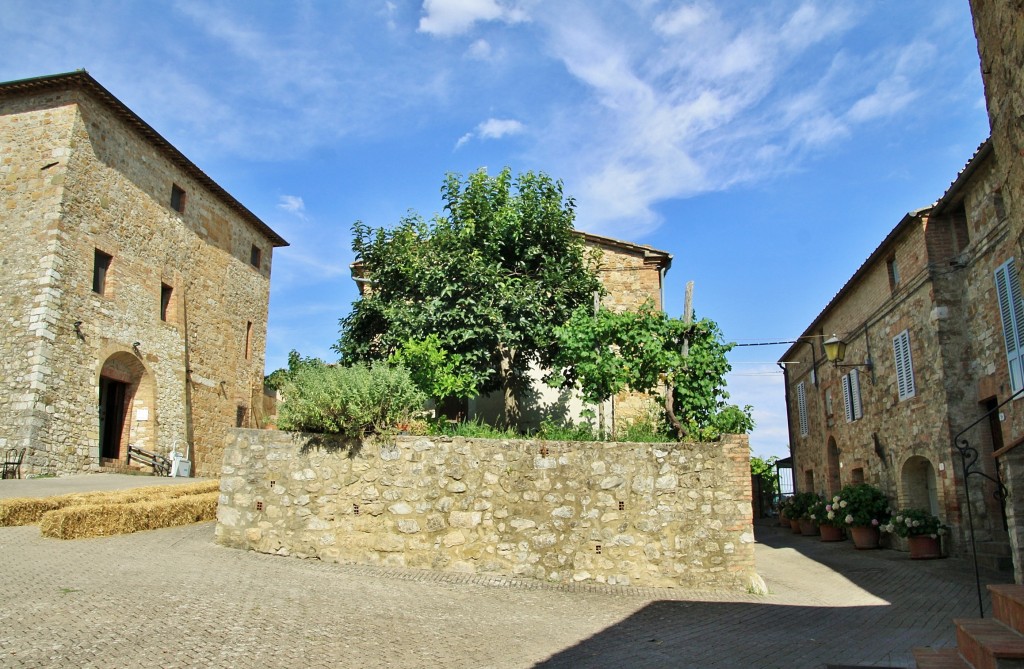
pixel 1011 313
pixel 178 198
pixel 256 256
pixel 893 270
pixel 166 302
pixel 852 404
pixel 801 405
pixel 904 363
pixel 101 265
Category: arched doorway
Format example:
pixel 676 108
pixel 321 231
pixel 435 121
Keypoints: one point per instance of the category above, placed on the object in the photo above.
pixel 918 482
pixel 126 403
pixel 833 467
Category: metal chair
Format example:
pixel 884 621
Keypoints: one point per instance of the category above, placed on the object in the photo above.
pixel 12 463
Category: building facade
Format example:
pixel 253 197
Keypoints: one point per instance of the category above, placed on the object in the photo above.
pixel 934 323
pixel 133 289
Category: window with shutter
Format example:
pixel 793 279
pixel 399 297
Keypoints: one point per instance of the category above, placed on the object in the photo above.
pixel 1011 309
pixel 851 396
pixel 801 405
pixel 904 365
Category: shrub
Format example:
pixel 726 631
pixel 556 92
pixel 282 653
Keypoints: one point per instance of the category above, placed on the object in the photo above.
pixel 861 505
pixel 799 505
pixel 351 401
pixel 915 523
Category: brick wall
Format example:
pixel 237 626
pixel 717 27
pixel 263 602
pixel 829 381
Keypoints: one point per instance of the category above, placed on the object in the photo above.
pixel 639 514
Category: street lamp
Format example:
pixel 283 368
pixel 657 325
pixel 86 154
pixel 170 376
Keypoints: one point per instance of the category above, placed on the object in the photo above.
pixel 835 351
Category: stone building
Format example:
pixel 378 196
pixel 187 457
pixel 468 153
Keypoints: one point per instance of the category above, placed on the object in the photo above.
pixel 632 275
pixel 133 288
pixel 999 28
pixel 933 321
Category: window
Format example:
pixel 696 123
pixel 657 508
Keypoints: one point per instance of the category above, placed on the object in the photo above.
pixel 241 416
pixel 894 273
pixel 100 268
pixel 851 396
pixel 1011 309
pixel 165 300
pixel 857 476
pixel 256 257
pixel 177 198
pixel 248 340
pixel 801 405
pixel 904 365
pixel 828 402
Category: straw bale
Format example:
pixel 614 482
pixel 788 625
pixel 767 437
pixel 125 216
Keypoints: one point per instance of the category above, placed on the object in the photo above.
pixel 28 510
pixel 102 520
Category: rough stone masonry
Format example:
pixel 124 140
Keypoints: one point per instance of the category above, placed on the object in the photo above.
pixel 658 515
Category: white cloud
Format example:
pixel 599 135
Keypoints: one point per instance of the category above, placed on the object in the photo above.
pixel 479 50
pixel 454 17
pixel 492 128
pixel 293 204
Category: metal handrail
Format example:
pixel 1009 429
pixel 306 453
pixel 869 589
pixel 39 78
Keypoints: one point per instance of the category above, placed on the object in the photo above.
pixel 969 457
pixel 161 465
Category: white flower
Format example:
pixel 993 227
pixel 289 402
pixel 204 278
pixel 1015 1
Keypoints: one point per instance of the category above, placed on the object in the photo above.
pixel 910 522
pixel 835 500
pixel 917 523
pixel 842 505
pixel 899 519
pixel 934 536
pixel 849 520
pixel 831 515
pixel 813 517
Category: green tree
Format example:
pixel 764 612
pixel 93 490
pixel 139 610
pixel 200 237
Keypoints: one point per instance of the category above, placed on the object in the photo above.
pixel 434 370
pixel 277 379
pixel 765 468
pixel 490 279
pixel 648 352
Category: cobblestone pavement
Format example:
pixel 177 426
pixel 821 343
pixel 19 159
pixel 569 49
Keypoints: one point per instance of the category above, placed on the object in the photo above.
pixel 172 598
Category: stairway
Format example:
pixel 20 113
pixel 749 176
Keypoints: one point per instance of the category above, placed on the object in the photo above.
pixel 985 643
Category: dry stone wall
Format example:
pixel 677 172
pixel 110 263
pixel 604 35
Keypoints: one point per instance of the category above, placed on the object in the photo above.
pixel 616 513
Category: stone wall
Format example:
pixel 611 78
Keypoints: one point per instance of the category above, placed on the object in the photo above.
pixel 617 513
pixel 78 178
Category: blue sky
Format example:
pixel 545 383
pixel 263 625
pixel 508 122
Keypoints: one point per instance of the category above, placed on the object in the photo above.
pixel 769 146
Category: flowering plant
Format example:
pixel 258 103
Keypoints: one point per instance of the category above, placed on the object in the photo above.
pixel 861 505
pixel 915 523
pixel 799 506
pixel 823 513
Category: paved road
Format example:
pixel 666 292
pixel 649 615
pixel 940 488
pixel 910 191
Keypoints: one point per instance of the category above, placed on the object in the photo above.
pixel 172 598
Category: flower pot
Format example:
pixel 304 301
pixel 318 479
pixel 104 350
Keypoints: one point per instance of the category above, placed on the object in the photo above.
pixel 831 533
pixel 865 537
pixel 794 525
pixel 808 528
pixel 924 547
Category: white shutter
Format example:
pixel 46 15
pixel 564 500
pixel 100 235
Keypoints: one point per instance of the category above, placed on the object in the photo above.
pixel 904 365
pixel 1011 309
pixel 847 400
pixel 855 406
pixel 801 405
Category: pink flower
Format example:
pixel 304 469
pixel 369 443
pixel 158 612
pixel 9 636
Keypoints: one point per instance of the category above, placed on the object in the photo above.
pixel 874 521
pixel 828 507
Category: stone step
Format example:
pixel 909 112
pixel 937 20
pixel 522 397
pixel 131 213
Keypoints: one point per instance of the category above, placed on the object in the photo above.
pixel 1008 605
pixel 940 658
pixel 989 644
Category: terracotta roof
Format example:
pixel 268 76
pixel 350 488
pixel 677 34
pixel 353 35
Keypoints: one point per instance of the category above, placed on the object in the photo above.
pixel 82 80
pixel 951 196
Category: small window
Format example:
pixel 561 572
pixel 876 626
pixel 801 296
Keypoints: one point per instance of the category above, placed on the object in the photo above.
pixel 100 269
pixel 857 476
pixel 248 340
pixel 241 413
pixel 177 198
pixel 851 396
pixel 904 365
pixel 256 256
pixel 165 301
pixel 809 480
pixel 801 405
pixel 828 403
pixel 894 273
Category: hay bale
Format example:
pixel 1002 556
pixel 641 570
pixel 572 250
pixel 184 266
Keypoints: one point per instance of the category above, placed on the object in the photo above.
pixel 103 520
pixel 29 510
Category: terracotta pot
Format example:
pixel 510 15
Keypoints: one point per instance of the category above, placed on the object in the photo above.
pixel 924 547
pixel 783 521
pixel 831 533
pixel 794 525
pixel 808 528
pixel 865 537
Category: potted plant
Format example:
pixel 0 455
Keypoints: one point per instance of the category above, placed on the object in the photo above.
pixel 790 513
pixel 921 530
pixel 801 510
pixel 831 528
pixel 863 508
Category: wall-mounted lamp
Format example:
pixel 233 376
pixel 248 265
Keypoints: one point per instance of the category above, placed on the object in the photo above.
pixel 78 329
pixel 835 351
pixel 135 346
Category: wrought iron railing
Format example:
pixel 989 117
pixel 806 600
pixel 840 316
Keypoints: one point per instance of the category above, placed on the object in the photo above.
pixel 970 466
